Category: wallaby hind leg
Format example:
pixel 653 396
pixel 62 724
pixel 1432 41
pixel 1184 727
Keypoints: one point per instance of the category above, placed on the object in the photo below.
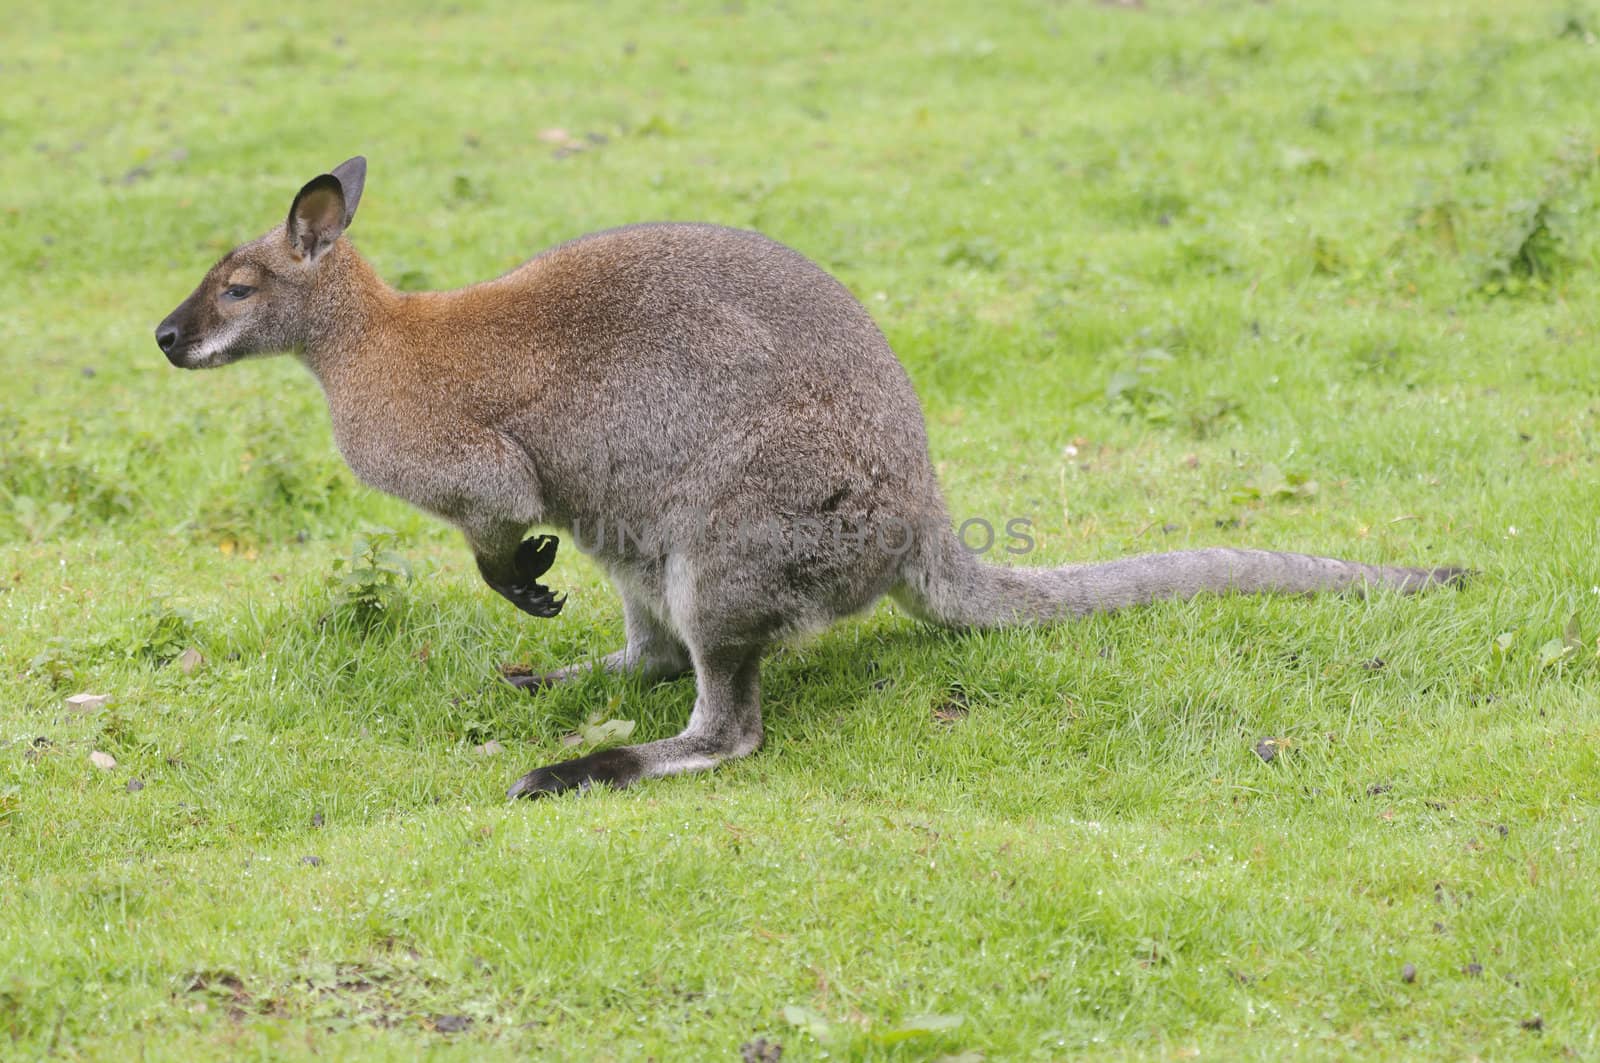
pixel 652 651
pixel 726 723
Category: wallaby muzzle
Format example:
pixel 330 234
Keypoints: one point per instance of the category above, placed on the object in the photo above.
pixel 171 335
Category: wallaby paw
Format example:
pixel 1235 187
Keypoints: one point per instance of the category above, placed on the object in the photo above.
pixel 535 556
pixel 616 768
pixel 534 599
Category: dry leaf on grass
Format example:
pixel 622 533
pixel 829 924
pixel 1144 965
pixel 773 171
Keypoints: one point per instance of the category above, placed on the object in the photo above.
pixel 597 731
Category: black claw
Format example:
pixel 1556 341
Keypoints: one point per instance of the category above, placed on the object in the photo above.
pixel 616 768
pixel 539 601
pixel 535 556
pixel 534 599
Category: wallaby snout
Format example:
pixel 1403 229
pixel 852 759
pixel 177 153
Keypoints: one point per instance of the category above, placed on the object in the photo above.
pixel 179 335
pixel 197 335
pixel 167 337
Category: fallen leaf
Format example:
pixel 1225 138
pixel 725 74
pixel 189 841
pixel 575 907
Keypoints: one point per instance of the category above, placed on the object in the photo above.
pixel 87 702
pixel 809 1021
pixel 595 732
pixel 189 660
pixel 103 761
pixel 916 1026
pixel 490 748
pixel 1554 652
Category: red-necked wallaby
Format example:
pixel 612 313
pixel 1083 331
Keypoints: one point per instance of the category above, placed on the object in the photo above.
pixel 716 419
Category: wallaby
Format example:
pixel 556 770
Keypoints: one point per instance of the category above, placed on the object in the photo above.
pixel 718 422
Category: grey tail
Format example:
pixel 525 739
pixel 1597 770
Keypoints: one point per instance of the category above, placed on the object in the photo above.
pixel 946 584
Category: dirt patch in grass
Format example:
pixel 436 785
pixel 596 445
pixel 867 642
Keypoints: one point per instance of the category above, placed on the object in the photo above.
pixel 378 994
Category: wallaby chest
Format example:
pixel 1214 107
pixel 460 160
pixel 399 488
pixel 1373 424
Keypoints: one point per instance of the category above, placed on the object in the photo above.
pixel 423 450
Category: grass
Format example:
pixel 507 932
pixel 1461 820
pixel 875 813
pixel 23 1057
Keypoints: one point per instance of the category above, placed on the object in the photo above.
pixel 1156 271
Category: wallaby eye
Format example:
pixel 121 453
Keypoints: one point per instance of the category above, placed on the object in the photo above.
pixel 234 292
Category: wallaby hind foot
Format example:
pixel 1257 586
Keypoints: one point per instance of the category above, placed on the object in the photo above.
pixel 725 723
pixel 617 662
pixel 652 653
pixel 1453 576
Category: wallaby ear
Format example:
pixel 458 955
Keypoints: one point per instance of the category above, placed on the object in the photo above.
pixel 317 217
pixel 352 175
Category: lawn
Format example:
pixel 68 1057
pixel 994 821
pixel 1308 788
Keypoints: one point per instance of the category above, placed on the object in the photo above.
pixel 1313 276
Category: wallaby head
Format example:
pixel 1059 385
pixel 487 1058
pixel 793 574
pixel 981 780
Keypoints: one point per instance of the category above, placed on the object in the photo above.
pixel 261 297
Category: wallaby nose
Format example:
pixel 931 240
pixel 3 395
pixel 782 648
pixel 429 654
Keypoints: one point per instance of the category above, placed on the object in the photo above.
pixel 166 337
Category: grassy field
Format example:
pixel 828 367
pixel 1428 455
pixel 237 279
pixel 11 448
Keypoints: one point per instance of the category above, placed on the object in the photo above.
pixel 1315 276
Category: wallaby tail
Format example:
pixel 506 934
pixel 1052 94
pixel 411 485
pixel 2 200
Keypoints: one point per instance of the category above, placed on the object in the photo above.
pixel 947 584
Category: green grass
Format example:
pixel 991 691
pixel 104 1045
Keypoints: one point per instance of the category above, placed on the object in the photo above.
pixel 1361 238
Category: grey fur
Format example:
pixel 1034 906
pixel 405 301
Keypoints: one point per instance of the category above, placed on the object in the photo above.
pixel 717 421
